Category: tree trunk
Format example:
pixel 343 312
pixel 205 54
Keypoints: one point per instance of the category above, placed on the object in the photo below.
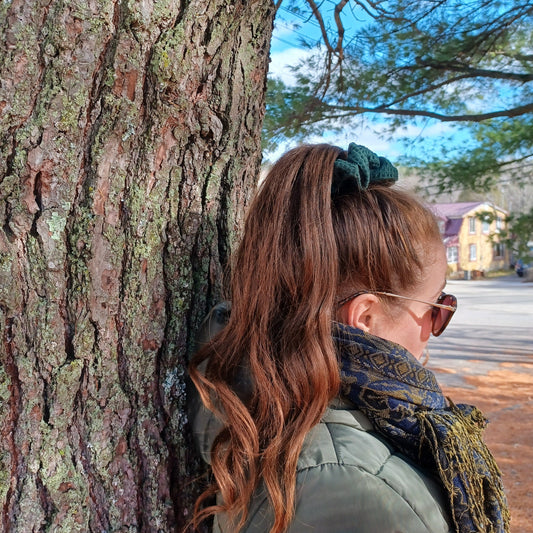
pixel 129 145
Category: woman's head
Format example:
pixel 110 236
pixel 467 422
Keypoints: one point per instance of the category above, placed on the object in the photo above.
pixel 385 239
pixel 388 242
pixel 323 236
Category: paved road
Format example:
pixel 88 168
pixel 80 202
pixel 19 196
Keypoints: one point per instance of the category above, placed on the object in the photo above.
pixel 493 324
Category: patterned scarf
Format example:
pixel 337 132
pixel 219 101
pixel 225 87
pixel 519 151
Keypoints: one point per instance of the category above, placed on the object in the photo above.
pixel 405 404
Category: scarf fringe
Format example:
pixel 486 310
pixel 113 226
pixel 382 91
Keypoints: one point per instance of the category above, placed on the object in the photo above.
pixel 487 508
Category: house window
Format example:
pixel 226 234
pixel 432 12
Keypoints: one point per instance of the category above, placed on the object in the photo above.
pixel 486 226
pixel 472 252
pixel 498 223
pixel 498 249
pixel 442 226
pixel 471 225
pixel 451 254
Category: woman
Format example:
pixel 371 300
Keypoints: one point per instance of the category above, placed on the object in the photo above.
pixel 317 414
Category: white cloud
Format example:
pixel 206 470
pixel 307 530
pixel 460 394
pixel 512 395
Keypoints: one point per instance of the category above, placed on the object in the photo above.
pixel 281 61
pixel 284 29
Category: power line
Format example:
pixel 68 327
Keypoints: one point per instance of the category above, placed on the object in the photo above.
pixel 307 19
pixel 287 42
pixel 290 26
pixel 303 36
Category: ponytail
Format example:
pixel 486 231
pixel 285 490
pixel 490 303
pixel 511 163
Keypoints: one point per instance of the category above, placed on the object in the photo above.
pixel 283 289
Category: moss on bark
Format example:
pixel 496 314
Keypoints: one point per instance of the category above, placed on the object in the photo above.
pixel 129 146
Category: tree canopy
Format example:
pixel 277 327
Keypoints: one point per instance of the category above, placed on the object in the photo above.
pixel 465 62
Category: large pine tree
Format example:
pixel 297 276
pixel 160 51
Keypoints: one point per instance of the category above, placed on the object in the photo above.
pixel 129 144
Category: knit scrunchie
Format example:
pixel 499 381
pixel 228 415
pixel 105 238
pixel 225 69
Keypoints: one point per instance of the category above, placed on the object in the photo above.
pixel 358 167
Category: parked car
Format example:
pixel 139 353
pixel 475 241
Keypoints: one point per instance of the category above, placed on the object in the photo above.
pixel 520 268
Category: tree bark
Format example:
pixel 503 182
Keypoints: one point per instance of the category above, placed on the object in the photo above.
pixel 129 146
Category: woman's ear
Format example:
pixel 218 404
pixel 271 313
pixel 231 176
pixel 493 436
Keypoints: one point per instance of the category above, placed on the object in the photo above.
pixel 360 312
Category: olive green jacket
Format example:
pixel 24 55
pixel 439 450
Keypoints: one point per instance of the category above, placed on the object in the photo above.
pixel 349 479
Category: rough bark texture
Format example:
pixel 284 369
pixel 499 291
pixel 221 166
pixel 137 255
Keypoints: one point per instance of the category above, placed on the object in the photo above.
pixel 129 145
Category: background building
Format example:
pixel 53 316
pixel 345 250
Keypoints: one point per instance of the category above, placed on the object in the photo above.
pixel 470 232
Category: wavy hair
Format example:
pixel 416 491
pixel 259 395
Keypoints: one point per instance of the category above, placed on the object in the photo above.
pixel 300 252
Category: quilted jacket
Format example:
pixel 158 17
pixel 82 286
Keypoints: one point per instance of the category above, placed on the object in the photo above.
pixel 349 479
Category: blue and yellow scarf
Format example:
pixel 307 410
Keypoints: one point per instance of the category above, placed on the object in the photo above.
pixel 404 402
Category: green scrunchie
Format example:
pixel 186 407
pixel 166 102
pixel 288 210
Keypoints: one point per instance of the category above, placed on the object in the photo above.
pixel 360 168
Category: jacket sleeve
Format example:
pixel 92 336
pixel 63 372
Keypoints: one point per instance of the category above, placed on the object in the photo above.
pixel 205 425
pixel 352 480
pixel 343 498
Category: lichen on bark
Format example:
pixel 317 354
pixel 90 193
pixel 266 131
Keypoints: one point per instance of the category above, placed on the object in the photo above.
pixel 129 145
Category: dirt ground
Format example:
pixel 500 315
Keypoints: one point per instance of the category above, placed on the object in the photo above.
pixel 506 398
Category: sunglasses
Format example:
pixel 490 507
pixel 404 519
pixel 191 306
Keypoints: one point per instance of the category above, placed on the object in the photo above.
pixel 443 308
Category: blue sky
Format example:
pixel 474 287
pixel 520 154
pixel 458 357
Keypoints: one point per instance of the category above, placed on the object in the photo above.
pixel 286 50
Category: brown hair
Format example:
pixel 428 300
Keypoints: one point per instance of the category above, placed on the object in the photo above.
pixel 301 250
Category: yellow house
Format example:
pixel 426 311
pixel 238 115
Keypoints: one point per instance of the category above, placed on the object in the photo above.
pixel 470 233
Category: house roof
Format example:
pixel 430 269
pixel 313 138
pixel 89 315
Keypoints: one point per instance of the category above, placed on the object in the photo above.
pixel 460 209
pixel 454 210
pixel 453 227
pixel 453 215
